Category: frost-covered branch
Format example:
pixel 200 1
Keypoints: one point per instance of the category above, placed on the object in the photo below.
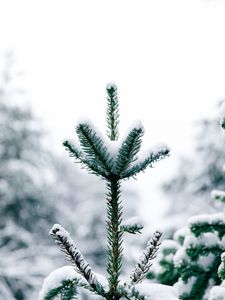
pixel 94 147
pixel 129 149
pixel 141 165
pixel 112 115
pixel 129 292
pixel 132 225
pixel 145 261
pixel 63 282
pixel 67 245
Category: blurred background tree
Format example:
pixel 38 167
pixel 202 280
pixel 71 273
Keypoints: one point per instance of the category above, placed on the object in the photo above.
pixel 189 191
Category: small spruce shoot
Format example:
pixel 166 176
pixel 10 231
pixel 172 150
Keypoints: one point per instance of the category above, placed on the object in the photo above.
pixel 94 155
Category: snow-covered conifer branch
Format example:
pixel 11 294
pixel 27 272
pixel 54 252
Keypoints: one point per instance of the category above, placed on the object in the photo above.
pixel 129 292
pixel 67 289
pixel 112 115
pixel 145 261
pixel 129 149
pixel 73 151
pixel 132 225
pixel 208 223
pixel 94 148
pixel 153 157
pixel 67 245
pixel 63 282
pixel 92 167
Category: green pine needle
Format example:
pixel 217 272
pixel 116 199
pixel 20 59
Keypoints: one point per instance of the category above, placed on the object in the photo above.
pixel 91 166
pixel 112 115
pixel 94 148
pixel 147 162
pixel 67 290
pixel 128 150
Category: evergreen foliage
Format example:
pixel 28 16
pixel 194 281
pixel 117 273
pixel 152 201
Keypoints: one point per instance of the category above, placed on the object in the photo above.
pixel 196 176
pixel 193 263
pixel 197 260
pixel 163 269
pixel 94 155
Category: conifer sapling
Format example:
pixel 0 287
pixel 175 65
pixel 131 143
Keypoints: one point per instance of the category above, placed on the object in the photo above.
pixel 95 154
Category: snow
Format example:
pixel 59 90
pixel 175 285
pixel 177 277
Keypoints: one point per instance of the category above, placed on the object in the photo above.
pixel 180 257
pixel 154 291
pixel 133 221
pixel 206 261
pixel 206 218
pixel 169 244
pixel 113 147
pixel 160 147
pixel 181 233
pixel 111 85
pixel 182 287
pixel 208 239
pixel 55 278
pixel 217 293
pixel 59 230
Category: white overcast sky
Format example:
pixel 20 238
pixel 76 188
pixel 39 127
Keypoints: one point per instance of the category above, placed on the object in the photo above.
pixel 167 57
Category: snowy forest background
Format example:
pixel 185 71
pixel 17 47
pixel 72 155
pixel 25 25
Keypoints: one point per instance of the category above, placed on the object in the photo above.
pixel 40 186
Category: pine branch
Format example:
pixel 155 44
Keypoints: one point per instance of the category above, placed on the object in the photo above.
pixel 129 292
pixel 114 235
pixel 144 263
pixel 217 226
pixel 63 239
pixel 147 162
pixel 94 148
pixel 133 225
pixel 112 115
pixel 73 151
pixel 196 251
pixel 91 166
pixel 129 149
pixel 136 228
pixel 67 290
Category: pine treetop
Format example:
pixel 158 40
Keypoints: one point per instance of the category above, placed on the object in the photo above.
pixel 124 162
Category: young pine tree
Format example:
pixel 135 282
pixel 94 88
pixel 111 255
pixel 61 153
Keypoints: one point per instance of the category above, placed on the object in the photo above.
pixel 113 162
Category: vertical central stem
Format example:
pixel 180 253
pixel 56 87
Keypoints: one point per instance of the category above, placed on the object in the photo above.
pixel 114 236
